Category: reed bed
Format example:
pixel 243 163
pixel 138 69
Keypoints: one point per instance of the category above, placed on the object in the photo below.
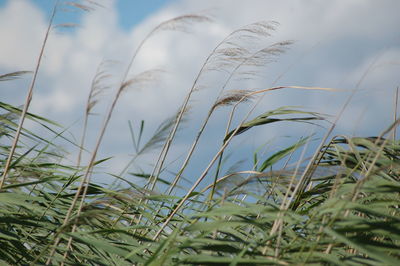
pixel 337 206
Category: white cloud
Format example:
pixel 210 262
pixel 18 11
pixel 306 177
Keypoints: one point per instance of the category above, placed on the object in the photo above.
pixel 21 28
pixel 336 42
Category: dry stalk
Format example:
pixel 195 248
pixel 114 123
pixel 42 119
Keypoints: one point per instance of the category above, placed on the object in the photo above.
pixel 198 181
pixel 28 98
pixel 305 178
pixel 278 223
pixel 254 59
pixel 172 24
pixel 228 55
pixel 251 94
pixel 96 90
pixel 234 54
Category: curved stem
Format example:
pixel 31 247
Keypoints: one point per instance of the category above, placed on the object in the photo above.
pixel 28 98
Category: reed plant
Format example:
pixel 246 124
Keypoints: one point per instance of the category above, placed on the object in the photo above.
pixel 339 205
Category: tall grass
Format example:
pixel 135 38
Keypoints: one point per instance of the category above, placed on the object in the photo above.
pixel 340 207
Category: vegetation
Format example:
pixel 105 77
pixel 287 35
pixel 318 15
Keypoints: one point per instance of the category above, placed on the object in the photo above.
pixel 340 206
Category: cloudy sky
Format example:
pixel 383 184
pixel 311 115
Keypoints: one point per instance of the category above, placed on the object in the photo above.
pixel 345 44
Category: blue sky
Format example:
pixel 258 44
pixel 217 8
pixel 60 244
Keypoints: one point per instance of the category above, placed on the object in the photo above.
pixel 130 12
pixel 335 46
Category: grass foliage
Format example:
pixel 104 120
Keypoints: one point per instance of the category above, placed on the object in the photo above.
pixel 339 207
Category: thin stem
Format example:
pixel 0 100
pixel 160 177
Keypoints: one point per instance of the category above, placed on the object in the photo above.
pixel 396 100
pixel 254 106
pixel 203 175
pixel 187 159
pixel 81 146
pixel 28 98
pixel 306 176
pixel 194 186
pixel 200 132
pixel 86 179
pixel 161 159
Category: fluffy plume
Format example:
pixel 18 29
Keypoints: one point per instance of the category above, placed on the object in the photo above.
pixel 85 7
pixel 142 79
pixel 100 83
pixel 181 23
pixel 232 97
pixel 240 45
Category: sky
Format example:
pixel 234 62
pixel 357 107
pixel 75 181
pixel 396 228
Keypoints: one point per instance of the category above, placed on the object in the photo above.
pixel 337 44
